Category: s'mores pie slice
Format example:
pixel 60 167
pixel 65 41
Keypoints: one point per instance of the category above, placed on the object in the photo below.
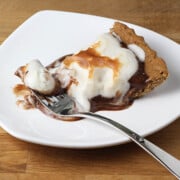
pixel 108 75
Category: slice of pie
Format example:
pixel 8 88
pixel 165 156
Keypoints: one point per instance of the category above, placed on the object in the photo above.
pixel 118 68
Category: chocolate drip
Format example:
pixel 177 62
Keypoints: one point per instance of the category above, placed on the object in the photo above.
pixel 138 80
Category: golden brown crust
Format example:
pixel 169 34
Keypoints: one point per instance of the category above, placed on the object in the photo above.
pixel 155 67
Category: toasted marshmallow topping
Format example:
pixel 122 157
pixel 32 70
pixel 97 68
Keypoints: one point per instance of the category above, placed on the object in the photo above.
pixel 137 51
pixel 103 69
pixel 38 78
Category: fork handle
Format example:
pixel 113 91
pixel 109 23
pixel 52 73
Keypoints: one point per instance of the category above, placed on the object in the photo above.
pixel 167 160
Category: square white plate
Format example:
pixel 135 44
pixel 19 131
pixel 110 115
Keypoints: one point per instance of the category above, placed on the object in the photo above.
pixel 48 35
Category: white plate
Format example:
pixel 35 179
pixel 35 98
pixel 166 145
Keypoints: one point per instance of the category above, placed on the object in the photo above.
pixel 48 35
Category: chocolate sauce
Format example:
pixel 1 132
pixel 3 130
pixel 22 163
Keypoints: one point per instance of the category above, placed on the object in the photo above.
pixel 56 63
pixel 138 80
pixel 99 103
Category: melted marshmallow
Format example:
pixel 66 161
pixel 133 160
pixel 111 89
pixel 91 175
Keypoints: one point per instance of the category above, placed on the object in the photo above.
pixel 102 81
pixel 38 78
pixel 137 51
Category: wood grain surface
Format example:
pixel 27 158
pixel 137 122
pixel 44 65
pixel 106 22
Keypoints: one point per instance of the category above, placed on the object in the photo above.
pixel 21 160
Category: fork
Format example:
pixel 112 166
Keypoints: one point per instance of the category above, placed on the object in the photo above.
pixel 63 106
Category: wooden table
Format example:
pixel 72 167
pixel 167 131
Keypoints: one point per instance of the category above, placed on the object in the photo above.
pixel 21 160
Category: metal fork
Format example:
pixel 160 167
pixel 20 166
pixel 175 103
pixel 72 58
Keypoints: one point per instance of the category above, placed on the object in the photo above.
pixel 64 107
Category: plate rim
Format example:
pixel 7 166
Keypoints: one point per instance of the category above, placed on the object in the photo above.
pixel 84 14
